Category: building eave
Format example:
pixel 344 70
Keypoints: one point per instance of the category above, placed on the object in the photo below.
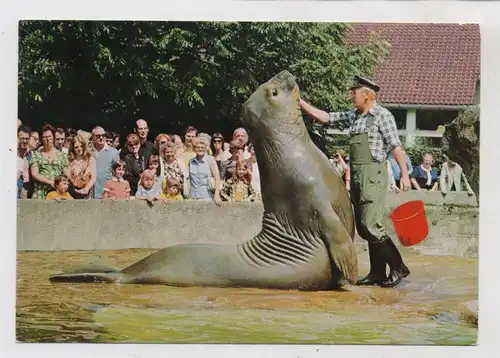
pixel 443 107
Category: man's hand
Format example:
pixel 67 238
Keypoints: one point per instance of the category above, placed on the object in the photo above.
pixel 404 183
pixel 317 115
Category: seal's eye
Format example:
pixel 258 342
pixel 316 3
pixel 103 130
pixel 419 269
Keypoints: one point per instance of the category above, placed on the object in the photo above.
pixel 274 92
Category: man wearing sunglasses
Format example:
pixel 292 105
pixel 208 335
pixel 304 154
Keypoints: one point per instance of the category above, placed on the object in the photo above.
pixel 105 156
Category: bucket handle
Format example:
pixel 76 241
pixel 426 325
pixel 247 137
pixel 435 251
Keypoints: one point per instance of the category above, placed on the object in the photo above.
pixel 411 216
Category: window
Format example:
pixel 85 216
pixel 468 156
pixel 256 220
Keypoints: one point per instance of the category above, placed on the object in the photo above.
pixel 430 119
pixel 400 117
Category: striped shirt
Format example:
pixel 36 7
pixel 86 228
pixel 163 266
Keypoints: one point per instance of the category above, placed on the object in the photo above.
pixel 382 134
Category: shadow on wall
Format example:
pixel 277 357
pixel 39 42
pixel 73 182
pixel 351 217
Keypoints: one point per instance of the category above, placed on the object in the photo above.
pixel 99 225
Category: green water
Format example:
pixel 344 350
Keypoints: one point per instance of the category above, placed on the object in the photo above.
pixel 426 309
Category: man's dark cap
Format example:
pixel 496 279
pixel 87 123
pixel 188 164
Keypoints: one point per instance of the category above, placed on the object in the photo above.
pixel 364 82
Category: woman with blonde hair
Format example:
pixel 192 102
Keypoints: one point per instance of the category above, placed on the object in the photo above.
pixel 171 166
pixel 82 169
pixel 204 179
pixel 207 139
pixel 179 145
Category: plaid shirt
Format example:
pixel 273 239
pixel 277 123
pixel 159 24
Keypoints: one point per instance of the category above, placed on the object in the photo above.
pixel 382 135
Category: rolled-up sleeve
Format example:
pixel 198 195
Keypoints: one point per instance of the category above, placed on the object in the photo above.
pixel 389 131
pixel 340 120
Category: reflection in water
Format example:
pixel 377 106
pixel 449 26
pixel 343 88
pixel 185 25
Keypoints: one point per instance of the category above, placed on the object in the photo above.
pixel 424 310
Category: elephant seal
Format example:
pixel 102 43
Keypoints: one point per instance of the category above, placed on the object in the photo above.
pixel 306 240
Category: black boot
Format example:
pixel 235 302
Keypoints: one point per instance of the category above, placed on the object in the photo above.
pixel 398 269
pixel 377 267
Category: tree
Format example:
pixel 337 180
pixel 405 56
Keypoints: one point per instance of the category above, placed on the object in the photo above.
pixel 175 74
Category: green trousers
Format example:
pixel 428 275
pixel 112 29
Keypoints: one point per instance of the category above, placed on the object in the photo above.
pixel 369 180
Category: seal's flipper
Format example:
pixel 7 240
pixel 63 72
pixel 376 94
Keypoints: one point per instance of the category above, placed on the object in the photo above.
pixel 339 243
pixel 110 276
pixel 93 268
pixel 345 258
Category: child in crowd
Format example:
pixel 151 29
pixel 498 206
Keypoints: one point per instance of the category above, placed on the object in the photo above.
pixel 148 188
pixel 171 190
pixel 117 187
pixel 238 187
pixel 154 166
pixel 61 184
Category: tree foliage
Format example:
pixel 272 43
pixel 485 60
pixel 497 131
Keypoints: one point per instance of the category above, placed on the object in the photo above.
pixel 173 74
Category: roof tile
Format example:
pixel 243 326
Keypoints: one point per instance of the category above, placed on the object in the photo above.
pixel 432 64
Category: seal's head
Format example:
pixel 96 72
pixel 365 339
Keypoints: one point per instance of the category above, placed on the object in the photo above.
pixel 273 106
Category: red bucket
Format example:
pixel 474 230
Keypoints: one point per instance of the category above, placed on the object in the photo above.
pixel 410 222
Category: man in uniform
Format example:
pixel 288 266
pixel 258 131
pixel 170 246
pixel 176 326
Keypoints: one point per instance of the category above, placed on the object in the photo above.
pixel 373 133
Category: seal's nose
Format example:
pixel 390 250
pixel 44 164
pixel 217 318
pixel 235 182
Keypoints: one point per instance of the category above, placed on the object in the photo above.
pixel 287 78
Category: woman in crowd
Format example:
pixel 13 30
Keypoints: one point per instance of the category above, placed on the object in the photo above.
pixel 161 140
pixel 207 138
pixel 217 146
pixel 179 145
pixel 47 164
pixel 425 176
pixel 82 170
pixel 171 167
pixel 204 176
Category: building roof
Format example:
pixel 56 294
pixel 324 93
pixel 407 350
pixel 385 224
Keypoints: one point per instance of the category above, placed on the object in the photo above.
pixel 428 64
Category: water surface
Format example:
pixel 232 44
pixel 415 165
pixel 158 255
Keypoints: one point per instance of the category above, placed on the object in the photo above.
pixel 425 309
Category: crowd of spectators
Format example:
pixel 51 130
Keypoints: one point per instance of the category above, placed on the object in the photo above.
pixel 59 164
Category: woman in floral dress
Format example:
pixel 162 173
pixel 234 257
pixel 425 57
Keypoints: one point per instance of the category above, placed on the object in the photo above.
pixel 47 164
pixel 173 168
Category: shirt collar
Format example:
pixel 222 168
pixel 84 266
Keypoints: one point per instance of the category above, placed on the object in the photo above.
pixel 425 170
pixel 374 109
pixel 106 147
pixel 118 180
pixel 26 154
pixel 197 160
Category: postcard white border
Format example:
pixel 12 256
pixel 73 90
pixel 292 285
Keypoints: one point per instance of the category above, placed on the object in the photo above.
pixel 482 12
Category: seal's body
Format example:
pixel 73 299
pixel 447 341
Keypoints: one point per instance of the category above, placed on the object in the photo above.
pixel 306 240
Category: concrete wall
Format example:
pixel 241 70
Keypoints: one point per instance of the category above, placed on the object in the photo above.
pixel 98 224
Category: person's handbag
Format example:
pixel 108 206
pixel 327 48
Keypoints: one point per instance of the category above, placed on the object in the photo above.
pixel 82 179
